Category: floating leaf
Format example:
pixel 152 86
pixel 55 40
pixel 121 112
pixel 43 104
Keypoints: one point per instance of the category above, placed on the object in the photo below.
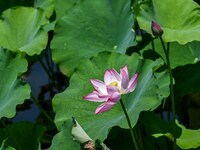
pixel 11 91
pixel 23 135
pixel 181 24
pixel 90 27
pixel 21 30
pixel 145 97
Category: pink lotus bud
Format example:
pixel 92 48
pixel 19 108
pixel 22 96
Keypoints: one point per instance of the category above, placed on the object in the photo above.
pixel 156 29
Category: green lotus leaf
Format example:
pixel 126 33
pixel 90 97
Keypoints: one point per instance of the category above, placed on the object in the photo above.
pixel 179 55
pixel 191 83
pixel 10 3
pixel 22 135
pixel 90 27
pixel 46 5
pixel 11 91
pixel 147 96
pixel 64 139
pixel 21 30
pixel 61 6
pixel 5 147
pixel 189 138
pixel 179 19
pixel 153 124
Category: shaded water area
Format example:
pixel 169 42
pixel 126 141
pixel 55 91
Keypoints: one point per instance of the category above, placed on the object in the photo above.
pixel 45 81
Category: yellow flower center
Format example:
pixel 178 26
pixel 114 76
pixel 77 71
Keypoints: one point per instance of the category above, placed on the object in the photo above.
pixel 114 84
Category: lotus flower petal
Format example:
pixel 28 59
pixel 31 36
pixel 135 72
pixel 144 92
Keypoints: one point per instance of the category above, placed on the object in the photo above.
pixel 99 85
pixel 125 79
pixel 95 97
pixel 111 76
pixel 133 83
pixel 112 89
pixel 108 104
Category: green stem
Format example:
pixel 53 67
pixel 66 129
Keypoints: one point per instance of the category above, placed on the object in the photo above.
pixel 166 51
pixel 41 109
pixel 44 67
pixel 47 62
pixel 152 44
pixel 129 124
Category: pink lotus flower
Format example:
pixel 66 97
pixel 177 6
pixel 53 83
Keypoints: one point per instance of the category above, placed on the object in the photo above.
pixel 111 89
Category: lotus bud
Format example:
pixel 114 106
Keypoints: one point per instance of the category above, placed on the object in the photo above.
pixel 156 29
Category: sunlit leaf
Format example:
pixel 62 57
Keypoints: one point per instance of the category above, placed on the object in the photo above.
pixel 90 27
pixel 179 55
pixel 145 97
pixel 11 91
pixel 21 30
pixel 5 147
pixel 179 19
pixel 23 135
pixel 188 139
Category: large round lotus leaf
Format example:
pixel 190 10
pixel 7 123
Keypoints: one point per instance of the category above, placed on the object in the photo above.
pixel 179 19
pixel 189 138
pixel 185 83
pixel 22 135
pixel 147 96
pixel 11 91
pixel 61 6
pixel 21 30
pixel 64 139
pixel 90 27
pixel 11 3
pixel 46 5
pixel 179 55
